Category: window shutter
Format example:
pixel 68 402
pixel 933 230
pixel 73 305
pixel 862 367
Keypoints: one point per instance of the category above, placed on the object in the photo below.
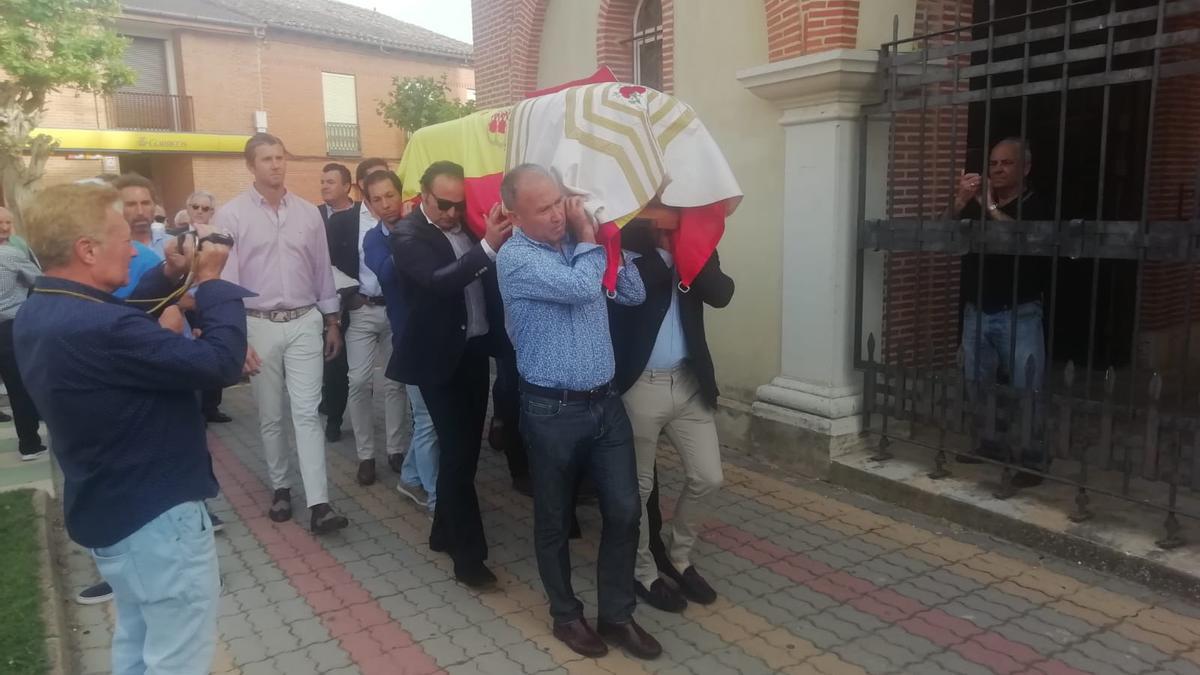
pixel 341 104
pixel 147 58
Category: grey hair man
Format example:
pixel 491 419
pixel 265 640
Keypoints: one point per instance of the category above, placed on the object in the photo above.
pixel 201 205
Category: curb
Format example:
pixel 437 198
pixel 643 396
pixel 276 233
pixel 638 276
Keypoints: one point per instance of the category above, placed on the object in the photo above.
pixel 1060 544
pixel 57 636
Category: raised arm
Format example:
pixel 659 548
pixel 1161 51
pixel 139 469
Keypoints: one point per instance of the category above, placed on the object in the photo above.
pixel 415 259
pixel 526 275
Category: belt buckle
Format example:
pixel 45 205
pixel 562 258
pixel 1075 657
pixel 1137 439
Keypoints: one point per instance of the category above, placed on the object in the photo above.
pixel 279 315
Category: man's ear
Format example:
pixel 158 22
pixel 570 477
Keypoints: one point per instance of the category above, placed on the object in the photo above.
pixel 83 250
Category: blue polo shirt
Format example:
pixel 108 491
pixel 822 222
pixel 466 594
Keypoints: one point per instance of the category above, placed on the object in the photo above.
pixel 117 392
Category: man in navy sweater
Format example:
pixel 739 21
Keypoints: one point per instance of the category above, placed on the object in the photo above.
pixel 134 485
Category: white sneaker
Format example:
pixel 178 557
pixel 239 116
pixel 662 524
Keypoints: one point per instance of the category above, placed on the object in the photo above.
pixel 414 492
pixel 34 456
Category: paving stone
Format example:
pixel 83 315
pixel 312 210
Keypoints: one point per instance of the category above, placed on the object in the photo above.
pixel 526 656
pixel 327 656
pixel 867 660
pixel 1040 643
pixel 1078 660
pixel 309 631
pixel 832 620
pixel 1125 662
pixel 709 665
pixel 447 619
pixel 445 652
pixel 960 666
pixel 247 649
pixel 740 661
pixel 260 668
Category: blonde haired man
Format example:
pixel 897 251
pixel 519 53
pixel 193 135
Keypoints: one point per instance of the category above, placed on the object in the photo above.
pixel 133 487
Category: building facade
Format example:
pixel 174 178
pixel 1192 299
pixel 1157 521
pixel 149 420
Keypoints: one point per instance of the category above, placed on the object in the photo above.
pixel 212 72
pixel 793 93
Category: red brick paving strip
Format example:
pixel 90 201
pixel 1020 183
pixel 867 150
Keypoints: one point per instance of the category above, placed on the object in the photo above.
pixel 372 640
pixel 991 650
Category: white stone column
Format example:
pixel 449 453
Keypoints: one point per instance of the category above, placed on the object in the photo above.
pixel 816 399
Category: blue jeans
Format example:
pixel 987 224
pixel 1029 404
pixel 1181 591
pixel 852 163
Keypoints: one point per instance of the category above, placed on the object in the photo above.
pixel 421 462
pixel 994 345
pixel 994 337
pixel 565 441
pixel 166 588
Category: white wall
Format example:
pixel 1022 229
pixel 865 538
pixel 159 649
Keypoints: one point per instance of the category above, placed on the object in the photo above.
pixel 710 47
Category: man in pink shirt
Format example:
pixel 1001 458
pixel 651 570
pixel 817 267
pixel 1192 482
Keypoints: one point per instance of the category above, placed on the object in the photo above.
pixel 280 252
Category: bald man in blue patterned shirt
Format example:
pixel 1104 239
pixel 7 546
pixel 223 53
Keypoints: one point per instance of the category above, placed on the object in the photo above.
pixel 573 420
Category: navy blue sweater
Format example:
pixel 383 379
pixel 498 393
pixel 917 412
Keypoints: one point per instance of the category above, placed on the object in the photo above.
pixel 118 393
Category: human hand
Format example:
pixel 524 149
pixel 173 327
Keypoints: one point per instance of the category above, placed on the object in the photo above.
pixel 253 364
pixel 172 320
pixel 498 226
pixel 177 261
pixel 579 221
pixel 333 341
pixel 210 260
pixel 967 189
pixel 186 303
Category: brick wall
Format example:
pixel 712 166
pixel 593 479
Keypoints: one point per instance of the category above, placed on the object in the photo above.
pixel 507 36
pixel 798 27
pixel 921 299
pixel 1173 168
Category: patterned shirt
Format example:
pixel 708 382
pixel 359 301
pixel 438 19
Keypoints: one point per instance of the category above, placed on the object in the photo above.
pixel 17 274
pixel 557 311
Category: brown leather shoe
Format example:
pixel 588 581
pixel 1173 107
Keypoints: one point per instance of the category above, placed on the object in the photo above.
pixel 580 637
pixel 366 472
pixel 629 635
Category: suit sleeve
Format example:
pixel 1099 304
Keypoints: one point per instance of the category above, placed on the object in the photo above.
pixel 415 260
pixel 711 285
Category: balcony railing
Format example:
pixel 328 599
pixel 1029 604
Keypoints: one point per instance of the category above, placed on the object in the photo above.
pixel 150 112
pixel 341 139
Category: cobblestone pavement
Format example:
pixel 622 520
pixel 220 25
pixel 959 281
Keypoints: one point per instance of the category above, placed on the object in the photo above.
pixel 812 580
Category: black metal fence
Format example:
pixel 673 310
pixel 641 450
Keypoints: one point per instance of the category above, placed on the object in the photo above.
pixel 341 139
pixel 150 112
pixel 1095 90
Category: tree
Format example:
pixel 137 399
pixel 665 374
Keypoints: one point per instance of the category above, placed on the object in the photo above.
pixel 46 45
pixel 416 102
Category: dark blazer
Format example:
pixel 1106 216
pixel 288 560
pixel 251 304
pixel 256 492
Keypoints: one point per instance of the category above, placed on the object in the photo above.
pixel 433 307
pixel 635 329
pixel 341 229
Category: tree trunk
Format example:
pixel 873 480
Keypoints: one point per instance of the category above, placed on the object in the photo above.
pixel 20 113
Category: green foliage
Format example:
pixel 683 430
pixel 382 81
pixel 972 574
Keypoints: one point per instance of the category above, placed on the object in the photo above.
pixel 22 632
pixel 417 102
pixel 47 44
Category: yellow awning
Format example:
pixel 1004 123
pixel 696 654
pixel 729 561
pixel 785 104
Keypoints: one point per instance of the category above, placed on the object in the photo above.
pixel 111 140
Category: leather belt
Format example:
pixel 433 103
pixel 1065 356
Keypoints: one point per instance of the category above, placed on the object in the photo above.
pixel 376 300
pixel 568 395
pixel 279 315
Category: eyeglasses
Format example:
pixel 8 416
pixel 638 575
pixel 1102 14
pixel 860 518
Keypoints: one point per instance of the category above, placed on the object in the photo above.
pixel 201 209
pixel 446 205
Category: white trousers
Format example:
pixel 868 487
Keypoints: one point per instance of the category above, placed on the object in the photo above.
pixel 369 342
pixel 669 400
pixel 292 356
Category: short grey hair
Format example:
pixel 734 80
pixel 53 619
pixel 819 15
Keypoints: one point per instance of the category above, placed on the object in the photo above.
pixel 1021 144
pixel 184 215
pixel 203 194
pixel 508 186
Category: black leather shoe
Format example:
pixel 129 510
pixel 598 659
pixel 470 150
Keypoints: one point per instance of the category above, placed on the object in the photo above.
pixel 281 506
pixel 325 520
pixel 580 637
pixel 661 596
pixel 396 462
pixel 691 584
pixel 631 637
pixel 333 432
pixel 217 417
pixel 475 576
pixel 366 472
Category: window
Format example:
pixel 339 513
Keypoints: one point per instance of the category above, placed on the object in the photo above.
pixel 341 114
pixel 648 44
pixel 147 58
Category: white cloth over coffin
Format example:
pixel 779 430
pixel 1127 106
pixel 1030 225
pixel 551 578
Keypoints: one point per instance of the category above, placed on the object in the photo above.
pixel 620 146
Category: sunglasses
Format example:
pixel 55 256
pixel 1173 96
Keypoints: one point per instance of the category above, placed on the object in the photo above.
pixel 202 209
pixel 446 205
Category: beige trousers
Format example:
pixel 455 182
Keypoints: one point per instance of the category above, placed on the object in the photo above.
pixel 669 400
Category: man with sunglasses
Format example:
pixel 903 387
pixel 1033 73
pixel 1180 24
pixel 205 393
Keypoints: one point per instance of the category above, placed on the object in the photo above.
pixel 453 321
pixel 201 205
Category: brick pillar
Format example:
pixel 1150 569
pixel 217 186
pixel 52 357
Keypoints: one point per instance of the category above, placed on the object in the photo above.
pixel 508 36
pixel 1173 167
pixel 798 27
pixel 921 299
pixel 614 28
